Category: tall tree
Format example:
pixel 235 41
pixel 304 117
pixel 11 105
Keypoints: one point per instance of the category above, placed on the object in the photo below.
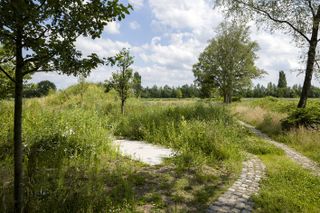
pixel 136 84
pixel 282 82
pixel 228 62
pixel 300 19
pixel 41 36
pixel 121 80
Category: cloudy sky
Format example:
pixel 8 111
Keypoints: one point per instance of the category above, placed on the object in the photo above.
pixel 166 38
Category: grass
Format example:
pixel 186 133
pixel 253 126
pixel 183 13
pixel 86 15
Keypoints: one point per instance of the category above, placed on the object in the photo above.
pixel 70 165
pixel 266 114
pixel 287 187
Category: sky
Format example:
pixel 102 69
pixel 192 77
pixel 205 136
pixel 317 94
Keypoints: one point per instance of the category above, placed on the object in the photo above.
pixel 166 37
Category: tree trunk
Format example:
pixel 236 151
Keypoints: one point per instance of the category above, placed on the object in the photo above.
pixel 310 64
pixel 122 106
pixel 227 98
pixel 18 150
pixel 18 153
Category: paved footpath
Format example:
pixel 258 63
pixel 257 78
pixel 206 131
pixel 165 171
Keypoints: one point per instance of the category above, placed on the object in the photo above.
pixel 144 152
pixel 237 197
pixel 297 157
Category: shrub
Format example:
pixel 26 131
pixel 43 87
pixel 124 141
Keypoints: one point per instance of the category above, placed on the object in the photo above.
pixel 236 99
pixel 307 117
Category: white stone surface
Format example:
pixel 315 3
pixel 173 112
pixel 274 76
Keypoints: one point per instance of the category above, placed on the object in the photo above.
pixel 144 152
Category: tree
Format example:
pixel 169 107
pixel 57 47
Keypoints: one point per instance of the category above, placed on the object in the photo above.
pixel 282 83
pixel 121 80
pixel 45 86
pixel 297 18
pixel 178 93
pixel 228 61
pixel 137 88
pixel 41 35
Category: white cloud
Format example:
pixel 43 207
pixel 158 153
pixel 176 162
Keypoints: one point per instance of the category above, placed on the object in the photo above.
pixel 134 25
pixel 103 47
pixel 113 28
pixel 196 16
pixel 277 52
pixel 137 4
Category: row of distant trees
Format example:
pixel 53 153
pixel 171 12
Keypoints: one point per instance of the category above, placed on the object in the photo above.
pixel 30 90
pixel 185 91
pixel 271 89
pixel 258 91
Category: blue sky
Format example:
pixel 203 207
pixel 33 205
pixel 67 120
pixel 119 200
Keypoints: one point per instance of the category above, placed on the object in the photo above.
pixel 166 38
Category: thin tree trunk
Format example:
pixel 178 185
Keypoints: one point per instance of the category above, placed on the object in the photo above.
pixel 18 152
pixel 310 64
pixel 122 106
pixel 227 98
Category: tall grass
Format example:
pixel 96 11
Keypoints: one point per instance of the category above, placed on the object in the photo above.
pixel 266 114
pixel 66 140
pixel 199 132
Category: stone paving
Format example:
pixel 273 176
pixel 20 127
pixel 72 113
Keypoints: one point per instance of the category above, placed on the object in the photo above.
pixel 237 197
pixel 144 152
pixel 297 157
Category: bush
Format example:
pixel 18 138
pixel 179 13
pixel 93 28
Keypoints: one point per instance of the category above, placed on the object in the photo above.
pixel 236 99
pixel 307 117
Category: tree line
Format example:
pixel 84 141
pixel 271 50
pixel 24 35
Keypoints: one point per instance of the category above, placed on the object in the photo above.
pixel 185 91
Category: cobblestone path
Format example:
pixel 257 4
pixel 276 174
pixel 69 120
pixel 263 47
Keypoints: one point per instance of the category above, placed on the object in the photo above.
pixel 237 197
pixel 297 157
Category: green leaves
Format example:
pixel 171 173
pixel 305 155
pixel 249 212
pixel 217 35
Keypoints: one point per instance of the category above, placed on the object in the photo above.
pixel 121 80
pixel 228 62
pixel 49 30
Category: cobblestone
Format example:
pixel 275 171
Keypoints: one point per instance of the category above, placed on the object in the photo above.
pixel 237 197
pixel 295 156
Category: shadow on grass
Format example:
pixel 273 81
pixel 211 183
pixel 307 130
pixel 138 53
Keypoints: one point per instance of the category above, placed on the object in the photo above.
pixel 167 189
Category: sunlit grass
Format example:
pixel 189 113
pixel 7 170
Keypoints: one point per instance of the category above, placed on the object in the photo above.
pixel 266 114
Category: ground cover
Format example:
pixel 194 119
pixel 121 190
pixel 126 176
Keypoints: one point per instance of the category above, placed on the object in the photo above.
pixel 266 114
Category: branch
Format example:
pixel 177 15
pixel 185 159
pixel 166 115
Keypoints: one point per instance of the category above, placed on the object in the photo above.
pixel 311 8
pixel 41 62
pixel 274 19
pixel 7 60
pixel 7 75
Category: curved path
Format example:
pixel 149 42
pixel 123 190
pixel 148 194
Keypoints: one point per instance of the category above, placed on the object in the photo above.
pixel 297 157
pixel 237 197
pixel 144 152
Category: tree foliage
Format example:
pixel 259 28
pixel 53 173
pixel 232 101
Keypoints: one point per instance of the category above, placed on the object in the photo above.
pixel 228 61
pixel 188 91
pixel 121 80
pixel 32 90
pixel 136 84
pixel 282 83
pixel 6 84
pixel 298 18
